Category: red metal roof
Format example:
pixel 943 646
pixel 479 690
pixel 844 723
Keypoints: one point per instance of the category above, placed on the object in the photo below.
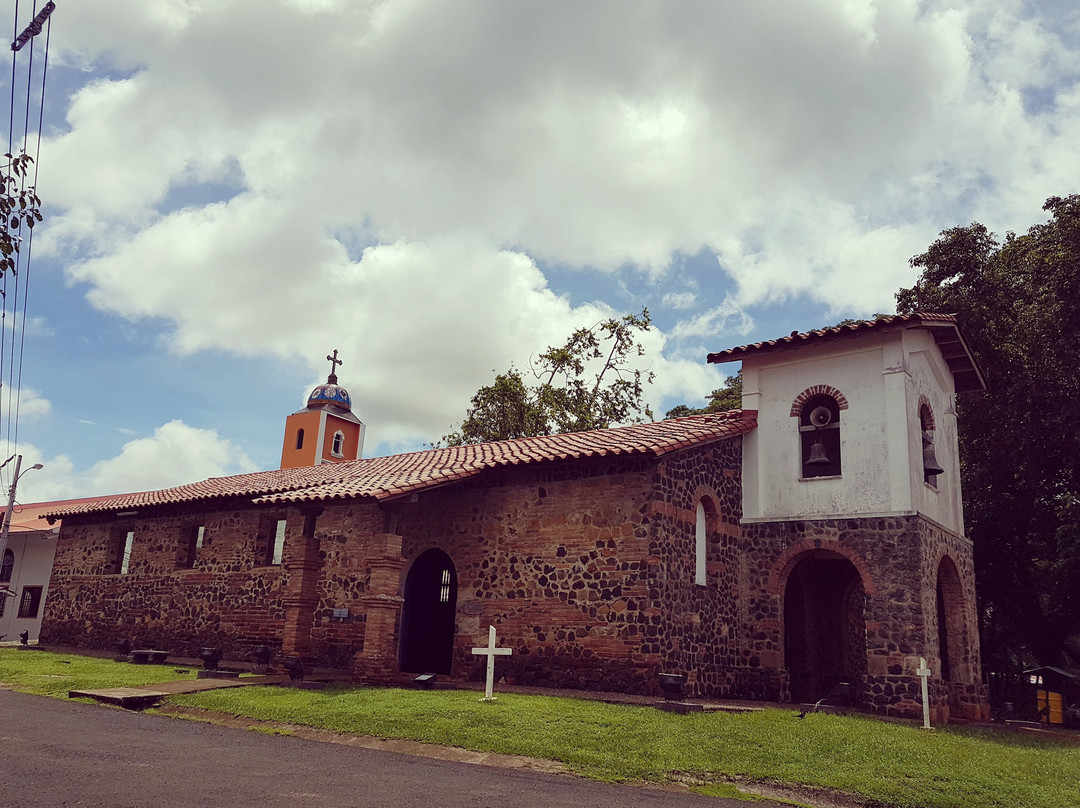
pixel 944 328
pixel 397 475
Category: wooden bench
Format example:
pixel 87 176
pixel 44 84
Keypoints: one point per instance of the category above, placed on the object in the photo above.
pixel 143 656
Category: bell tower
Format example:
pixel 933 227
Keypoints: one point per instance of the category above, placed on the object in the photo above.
pixel 325 431
pixel 856 420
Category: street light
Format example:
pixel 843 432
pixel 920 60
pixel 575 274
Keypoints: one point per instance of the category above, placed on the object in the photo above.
pixel 11 499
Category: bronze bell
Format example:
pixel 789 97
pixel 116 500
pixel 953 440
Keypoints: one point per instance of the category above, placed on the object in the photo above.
pixel 929 459
pixel 817 455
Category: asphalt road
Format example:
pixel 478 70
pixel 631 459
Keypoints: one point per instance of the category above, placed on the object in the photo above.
pixel 56 753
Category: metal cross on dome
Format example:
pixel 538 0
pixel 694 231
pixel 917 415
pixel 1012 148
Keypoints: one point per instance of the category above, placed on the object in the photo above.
pixel 334 362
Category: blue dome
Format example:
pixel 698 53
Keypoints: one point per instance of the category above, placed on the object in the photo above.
pixel 330 394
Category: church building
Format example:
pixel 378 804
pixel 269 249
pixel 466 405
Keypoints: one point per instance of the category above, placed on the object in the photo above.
pixel 812 538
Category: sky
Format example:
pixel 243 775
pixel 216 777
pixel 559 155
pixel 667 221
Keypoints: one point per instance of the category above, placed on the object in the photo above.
pixel 440 191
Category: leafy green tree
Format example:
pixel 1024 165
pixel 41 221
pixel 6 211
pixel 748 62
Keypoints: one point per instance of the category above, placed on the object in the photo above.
pixel 1018 302
pixel 590 382
pixel 509 408
pixel 723 399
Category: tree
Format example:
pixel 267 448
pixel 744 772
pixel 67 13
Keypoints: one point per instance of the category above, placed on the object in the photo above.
pixel 1020 442
pixel 723 399
pixel 587 383
pixel 18 205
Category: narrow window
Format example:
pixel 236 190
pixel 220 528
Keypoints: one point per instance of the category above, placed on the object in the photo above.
pixel 115 551
pixel 3 601
pixel 699 546
pixel 270 540
pixel 31 601
pixel 191 544
pixel 299 439
pixel 125 557
pixel 338 445
pixel 819 437
pixel 278 549
pixel 8 566
pixel 444 588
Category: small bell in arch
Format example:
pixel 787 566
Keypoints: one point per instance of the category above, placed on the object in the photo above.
pixel 817 454
pixel 931 467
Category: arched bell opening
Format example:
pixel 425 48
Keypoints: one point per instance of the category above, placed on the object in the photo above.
pixel 428 615
pixel 824 626
pixel 819 436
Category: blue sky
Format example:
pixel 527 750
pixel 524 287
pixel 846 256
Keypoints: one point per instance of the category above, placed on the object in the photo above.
pixel 234 189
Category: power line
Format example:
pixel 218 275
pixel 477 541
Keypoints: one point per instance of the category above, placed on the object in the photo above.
pixel 21 209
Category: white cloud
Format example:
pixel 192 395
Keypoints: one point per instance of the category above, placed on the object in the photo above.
pixel 26 404
pixel 176 453
pixel 729 318
pixel 679 300
pixel 812 147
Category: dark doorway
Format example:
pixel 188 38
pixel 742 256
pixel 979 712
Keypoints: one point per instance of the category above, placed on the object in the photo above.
pixel 427 618
pixel 951 636
pixel 824 626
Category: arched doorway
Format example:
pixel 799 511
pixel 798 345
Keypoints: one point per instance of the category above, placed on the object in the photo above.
pixel 952 642
pixel 824 626
pixel 427 617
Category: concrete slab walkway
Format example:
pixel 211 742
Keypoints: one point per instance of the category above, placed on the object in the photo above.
pixel 138 698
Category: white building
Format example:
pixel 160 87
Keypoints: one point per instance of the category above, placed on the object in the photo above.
pixel 26 567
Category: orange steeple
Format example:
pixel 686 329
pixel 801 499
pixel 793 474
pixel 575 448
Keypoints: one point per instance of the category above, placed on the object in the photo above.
pixel 325 431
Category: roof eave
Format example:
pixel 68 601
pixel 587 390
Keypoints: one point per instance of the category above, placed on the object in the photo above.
pixel 967 375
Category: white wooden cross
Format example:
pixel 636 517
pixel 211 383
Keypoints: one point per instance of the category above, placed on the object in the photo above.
pixel 924 672
pixel 490 651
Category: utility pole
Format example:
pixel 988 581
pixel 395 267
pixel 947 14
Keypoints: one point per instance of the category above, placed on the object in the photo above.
pixel 11 501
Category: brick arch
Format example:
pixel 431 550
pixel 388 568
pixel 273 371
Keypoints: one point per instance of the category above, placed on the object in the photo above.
pixel 824 635
pixel 817 390
pixel 954 644
pixel 706 502
pixel 924 402
pixel 711 500
pixel 778 575
pixel 426 628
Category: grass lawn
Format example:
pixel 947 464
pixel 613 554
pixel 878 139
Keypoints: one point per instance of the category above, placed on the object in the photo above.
pixel 895 765
pixel 47 674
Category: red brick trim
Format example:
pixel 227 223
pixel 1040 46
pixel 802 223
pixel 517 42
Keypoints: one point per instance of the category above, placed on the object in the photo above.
pixel 958 639
pixel 673 511
pixel 714 522
pixel 707 497
pixel 953 582
pixel 790 557
pixel 817 390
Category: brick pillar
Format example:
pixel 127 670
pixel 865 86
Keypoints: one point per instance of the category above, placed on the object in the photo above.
pixel 303 565
pixel 377 663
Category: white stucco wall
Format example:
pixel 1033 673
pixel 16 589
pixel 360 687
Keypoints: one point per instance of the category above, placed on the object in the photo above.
pixel 929 377
pixel 881 375
pixel 34 552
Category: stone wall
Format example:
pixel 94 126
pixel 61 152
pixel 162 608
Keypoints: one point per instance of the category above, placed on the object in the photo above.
pixel 554 557
pixel 897 559
pixel 587 569
pixel 694 629
pixel 227 599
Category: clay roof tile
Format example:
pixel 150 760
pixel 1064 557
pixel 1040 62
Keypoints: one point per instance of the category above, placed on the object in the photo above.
pixel 398 475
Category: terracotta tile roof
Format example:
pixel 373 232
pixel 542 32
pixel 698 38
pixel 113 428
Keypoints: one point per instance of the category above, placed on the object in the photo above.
pixel 944 328
pixel 398 475
pixel 31 515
